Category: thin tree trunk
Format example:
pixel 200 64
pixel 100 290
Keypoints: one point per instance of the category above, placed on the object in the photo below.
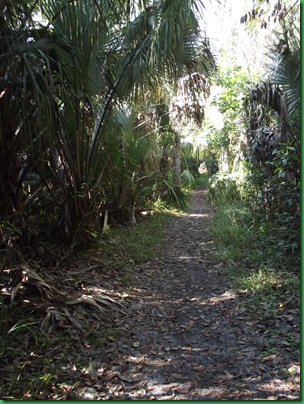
pixel 105 222
pixel 177 159
pixel 224 160
pixel 132 215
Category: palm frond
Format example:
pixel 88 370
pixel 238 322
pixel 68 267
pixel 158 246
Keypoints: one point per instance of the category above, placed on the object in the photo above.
pixel 187 177
pixel 284 65
pixel 267 94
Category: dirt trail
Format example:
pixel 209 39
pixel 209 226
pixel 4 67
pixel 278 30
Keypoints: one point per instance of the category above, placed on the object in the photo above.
pixel 188 337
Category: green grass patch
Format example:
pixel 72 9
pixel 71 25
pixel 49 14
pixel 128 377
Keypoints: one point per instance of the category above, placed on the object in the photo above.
pixel 198 182
pixel 254 267
pixel 259 281
pixel 231 228
pixel 143 242
pixel 270 291
pixel 202 180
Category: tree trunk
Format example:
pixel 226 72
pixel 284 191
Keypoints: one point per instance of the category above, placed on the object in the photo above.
pixel 177 159
pixel 132 215
pixel 105 222
pixel 224 160
pixel 11 171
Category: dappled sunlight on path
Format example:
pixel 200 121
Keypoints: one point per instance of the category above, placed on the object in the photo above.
pixel 188 337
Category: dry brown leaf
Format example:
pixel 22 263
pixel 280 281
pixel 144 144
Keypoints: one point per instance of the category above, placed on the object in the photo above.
pixel 108 301
pixel 72 319
pixel 182 389
pixel 137 393
pixel 82 270
pixel 58 317
pixel 110 375
pixel 31 275
pixel 131 378
pixel 262 368
pixel 86 299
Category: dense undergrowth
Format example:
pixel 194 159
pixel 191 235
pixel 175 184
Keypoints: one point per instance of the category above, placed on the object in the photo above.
pixel 257 263
pixel 45 354
pixel 144 241
pixel 256 228
pixel 270 285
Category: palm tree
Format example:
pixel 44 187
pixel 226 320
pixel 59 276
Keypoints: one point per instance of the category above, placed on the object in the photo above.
pixel 188 105
pixel 273 109
pixel 284 64
pixel 67 78
pixel 281 92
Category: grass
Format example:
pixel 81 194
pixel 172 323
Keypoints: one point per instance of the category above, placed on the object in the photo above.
pixel 230 227
pixel 260 281
pixel 202 180
pixel 253 266
pixel 143 242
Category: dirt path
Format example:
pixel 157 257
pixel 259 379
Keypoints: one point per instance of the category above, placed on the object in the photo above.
pixel 188 337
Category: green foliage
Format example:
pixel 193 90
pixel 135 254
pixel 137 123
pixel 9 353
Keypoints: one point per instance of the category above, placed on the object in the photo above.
pixel 202 180
pixel 9 231
pixel 268 183
pixel 267 275
pixel 190 162
pixel 273 183
pixel 210 158
pixel 223 188
pixel 70 148
pixel 284 65
pixel 275 200
pixel 274 208
pixel 143 242
pixel 172 195
pixel 187 177
pixel 232 84
pixel 286 161
pixel 230 227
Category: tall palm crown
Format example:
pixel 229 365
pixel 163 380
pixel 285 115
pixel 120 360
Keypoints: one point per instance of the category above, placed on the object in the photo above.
pixel 63 80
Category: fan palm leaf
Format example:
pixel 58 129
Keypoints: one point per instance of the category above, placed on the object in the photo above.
pixel 284 64
pixel 266 94
pixel 68 77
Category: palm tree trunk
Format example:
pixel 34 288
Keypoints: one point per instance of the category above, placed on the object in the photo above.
pixel 177 159
pixel 224 160
pixel 10 172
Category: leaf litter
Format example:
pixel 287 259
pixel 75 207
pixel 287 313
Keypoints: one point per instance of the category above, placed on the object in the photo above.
pixel 179 333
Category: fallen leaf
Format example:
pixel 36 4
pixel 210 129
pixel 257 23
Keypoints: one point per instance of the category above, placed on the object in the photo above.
pixel 110 375
pixel 137 393
pixel 262 368
pixel 136 344
pixel 182 389
pixel 131 378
